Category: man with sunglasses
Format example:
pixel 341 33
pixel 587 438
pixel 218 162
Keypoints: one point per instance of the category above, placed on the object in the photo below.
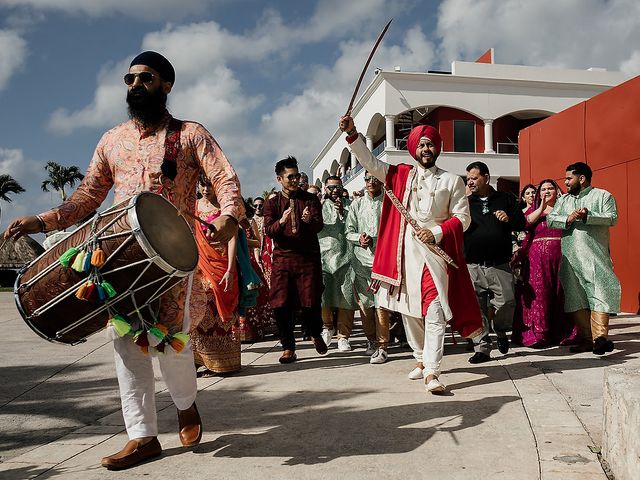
pixel 151 152
pixel 337 297
pixel 292 219
pixel 362 232
pixel 407 276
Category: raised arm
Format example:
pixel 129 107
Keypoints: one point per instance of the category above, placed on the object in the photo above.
pixel 375 167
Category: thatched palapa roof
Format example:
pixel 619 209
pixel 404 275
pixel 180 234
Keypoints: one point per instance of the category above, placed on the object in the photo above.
pixel 17 253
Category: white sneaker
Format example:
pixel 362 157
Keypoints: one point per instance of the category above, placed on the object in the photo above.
pixel 344 345
pixel 371 347
pixel 327 335
pixel 435 386
pixel 415 374
pixel 379 356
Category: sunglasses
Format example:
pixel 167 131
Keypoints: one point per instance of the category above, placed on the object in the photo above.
pixel 293 176
pixel 257 205
pixel 145 77
pixel 371 179
pixel 331 188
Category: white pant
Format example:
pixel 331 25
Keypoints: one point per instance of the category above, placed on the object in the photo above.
pixel 137 381
pixel 427 342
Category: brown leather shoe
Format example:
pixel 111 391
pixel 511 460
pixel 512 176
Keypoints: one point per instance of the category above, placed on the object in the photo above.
pixel 190 426
pixel 288 356
pixel 132 454
pixel 321 347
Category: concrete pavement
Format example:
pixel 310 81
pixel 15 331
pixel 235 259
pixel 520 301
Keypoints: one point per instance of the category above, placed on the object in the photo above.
pixel 526 415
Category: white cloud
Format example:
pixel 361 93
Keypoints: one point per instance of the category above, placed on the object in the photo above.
pixel 303 124
pixel 570 33
pixel 142 9
pixel 13 50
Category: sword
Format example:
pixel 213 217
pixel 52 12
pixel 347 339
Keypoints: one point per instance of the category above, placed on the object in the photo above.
pixel 414 224
pixel 366 65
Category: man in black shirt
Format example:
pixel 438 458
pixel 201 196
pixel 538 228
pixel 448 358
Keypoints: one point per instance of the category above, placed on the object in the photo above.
pixel 488 249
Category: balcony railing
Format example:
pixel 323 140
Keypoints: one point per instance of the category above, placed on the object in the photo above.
pixel 352 172
pixel 507 147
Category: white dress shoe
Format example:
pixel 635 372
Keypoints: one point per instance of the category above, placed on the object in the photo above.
pixel 415 374
pixel 435 386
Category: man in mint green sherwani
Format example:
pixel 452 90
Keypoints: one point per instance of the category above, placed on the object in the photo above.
pixel 591 288
pixel 362 232
pixel 336 255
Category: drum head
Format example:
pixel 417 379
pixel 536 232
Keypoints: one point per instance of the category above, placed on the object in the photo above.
pixel 166 232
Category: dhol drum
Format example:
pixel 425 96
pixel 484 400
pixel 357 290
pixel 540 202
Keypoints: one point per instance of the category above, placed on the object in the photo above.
pixel 148 249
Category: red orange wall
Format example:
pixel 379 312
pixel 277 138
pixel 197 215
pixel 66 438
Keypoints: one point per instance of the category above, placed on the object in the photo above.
pixel 442 118
pixel 604 132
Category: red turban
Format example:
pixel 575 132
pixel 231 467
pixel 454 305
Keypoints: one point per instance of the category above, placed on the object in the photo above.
pixel 423 131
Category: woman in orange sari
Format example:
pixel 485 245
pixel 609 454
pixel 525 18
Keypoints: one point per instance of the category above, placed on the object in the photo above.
pixel 214 300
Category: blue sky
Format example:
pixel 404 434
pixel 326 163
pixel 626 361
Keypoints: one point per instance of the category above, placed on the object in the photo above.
pixel 267 78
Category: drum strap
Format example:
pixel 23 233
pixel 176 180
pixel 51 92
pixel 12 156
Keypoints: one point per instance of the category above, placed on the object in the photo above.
pixel 171 147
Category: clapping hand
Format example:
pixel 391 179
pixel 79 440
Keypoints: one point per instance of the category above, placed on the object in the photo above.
pixel 502 215
pixel 365 240
pixel 306 215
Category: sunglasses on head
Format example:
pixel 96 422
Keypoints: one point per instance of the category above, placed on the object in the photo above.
pixel 145 77
pixel 371 179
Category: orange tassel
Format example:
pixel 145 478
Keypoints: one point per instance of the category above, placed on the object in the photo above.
pixel 98 258
pixel 176 344
pixel 82 291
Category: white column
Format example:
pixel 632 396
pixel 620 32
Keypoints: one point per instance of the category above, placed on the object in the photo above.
pixel 389 121
pixel 488 136
pixel 369 142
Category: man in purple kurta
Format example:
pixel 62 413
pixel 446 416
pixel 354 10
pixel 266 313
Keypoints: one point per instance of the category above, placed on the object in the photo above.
pixel 292 219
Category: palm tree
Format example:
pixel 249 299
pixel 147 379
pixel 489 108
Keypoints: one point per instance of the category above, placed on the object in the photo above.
pixel 59 176
pixel 8 185
pixel 266 193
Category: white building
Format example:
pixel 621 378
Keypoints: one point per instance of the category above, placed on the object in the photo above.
pixel 478 107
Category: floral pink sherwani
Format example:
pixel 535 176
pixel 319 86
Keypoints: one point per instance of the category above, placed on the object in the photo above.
pixel 128 158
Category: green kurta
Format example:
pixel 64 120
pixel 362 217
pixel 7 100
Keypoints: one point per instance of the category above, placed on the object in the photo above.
pixel 363 217
pixel 586 271
pixel 336 254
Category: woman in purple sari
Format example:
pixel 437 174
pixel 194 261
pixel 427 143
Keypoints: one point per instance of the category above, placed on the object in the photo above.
pixel 539 320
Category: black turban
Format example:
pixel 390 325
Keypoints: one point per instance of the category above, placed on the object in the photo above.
pixel 158 63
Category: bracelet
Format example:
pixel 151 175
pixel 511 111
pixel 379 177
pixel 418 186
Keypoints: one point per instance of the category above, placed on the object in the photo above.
pixel 41 222
pixel 352 132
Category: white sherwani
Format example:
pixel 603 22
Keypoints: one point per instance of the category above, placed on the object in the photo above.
pixel 434 197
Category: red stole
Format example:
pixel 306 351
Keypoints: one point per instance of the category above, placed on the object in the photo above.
pixel 387 263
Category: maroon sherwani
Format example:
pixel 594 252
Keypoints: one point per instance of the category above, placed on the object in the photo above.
pixel 296 276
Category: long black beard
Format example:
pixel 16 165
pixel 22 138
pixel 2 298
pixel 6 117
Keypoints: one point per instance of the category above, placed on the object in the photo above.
pixel 148 108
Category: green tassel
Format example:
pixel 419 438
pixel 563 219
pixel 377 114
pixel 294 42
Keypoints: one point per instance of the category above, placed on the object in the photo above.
pixel 183 337
pixel 78 263
pixel 120 325
pixel 108 288
pixel 158 333
pixel 66 257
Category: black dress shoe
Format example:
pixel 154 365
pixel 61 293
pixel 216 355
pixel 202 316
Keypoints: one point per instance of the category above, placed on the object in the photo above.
pixel 321 347
pixel 503 344
pixel 479 357
pixel 288 356
pixel 602 346
pixel 583 346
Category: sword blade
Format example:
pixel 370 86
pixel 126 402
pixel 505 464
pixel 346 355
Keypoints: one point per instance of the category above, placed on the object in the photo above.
pixel 366 65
